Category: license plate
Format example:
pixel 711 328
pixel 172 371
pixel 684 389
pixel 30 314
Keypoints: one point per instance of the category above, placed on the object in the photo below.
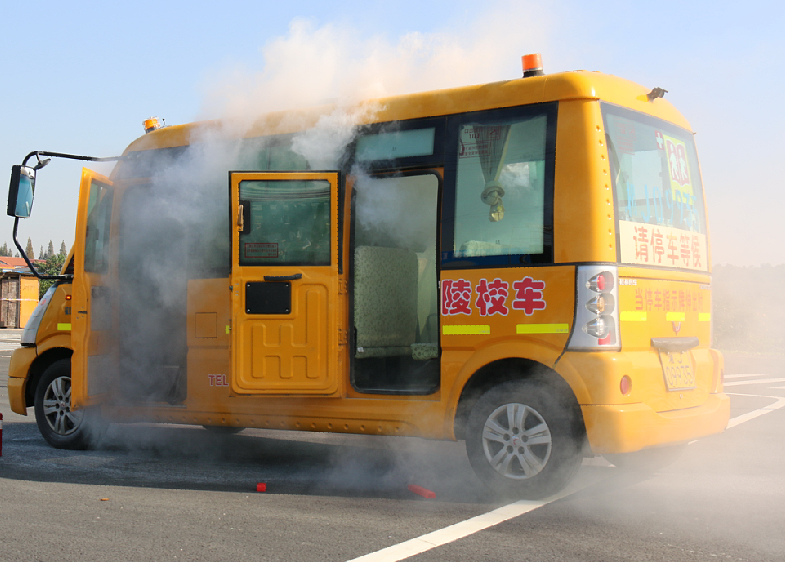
pixel 678 369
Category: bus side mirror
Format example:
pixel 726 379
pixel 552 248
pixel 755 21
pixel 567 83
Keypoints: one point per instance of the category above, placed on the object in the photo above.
pixel 20 191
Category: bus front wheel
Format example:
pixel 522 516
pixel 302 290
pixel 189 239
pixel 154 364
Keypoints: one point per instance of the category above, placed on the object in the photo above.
pixel 521 442
pixel 61 427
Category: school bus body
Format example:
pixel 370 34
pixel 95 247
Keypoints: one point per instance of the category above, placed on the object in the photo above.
pixel 478 349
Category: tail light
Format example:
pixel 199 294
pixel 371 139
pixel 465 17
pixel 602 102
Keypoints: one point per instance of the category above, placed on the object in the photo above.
pixel 596 317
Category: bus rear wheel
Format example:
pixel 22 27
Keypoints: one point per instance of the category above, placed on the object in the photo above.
pixel 61 427
pixel 521 442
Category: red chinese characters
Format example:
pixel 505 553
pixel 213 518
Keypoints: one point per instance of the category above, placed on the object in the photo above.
pixel 528 295
pixel 668 300
pixel 491 297
pixel 456 297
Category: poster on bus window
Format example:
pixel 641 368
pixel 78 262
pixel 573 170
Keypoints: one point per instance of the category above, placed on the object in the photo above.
pixel 678 167
pixel 651 244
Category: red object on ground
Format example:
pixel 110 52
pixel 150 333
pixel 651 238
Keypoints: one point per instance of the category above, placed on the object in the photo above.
pixel 261 487
pixel 421 491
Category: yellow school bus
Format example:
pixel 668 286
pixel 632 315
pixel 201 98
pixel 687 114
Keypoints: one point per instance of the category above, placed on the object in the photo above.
pixel 523 265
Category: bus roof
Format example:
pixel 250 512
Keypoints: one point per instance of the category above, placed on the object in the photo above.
pixel 572 85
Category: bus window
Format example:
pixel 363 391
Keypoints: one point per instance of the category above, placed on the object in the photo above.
pixel 395 284
pixel 658 191
pixel 99 215
pixel 289 223
pixel 502 211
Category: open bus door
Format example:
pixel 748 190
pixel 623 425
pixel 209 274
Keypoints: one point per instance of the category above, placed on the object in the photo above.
pixel 93 340
pixel 288 312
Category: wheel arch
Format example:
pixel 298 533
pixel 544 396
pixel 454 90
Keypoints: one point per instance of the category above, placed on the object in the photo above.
pixel 512 369
pixel 37 368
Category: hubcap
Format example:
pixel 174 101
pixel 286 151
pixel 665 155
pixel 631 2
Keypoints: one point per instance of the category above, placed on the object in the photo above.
pixel 517 441
pixel 57 407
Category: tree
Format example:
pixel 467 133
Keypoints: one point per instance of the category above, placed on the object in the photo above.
pixel 50 251
pixel 4 250
pixel 41 254
pixel 52 266
pixel 29 249
pixel 63 251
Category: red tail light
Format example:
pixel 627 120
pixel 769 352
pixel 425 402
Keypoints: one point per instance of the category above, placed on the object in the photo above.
pixel 597 317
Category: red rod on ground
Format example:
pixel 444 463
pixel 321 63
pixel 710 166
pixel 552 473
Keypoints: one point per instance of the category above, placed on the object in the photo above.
pixel 261 487
pixel 421 491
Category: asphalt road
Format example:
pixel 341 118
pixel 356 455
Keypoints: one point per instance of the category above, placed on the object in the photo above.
pixel 182 493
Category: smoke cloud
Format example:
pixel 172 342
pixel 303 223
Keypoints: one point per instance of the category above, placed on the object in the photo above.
pixel 314 64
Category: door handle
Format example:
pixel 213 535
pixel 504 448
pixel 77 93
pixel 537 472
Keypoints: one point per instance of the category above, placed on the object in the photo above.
pixel 240 221
pixel 294 277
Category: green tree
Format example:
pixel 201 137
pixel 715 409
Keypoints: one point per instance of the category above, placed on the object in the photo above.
pixel 52 266
pixel 29 249
pixel 4 250
pixel 41 254
pixel 50 251
pixel 63 250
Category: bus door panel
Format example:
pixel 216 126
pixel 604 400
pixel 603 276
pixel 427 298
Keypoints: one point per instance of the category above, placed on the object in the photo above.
pixel 286 310
pixel 93 339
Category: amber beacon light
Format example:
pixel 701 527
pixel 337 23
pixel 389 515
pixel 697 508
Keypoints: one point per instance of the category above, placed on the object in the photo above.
pixel 532 65
pixel 151 124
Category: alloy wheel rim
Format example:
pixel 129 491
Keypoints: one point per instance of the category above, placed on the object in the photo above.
pixel 57 407
pixel 517 441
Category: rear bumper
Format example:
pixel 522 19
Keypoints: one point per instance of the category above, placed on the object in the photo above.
pixel 18 371
pixel 631 427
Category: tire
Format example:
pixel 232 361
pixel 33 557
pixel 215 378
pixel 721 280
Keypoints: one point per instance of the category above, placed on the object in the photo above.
pixel 522 440
pixel 59 426
pixel 223 429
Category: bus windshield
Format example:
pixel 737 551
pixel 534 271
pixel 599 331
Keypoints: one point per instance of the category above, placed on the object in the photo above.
pixel 658 191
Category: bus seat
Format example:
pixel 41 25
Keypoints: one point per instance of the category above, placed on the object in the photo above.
pixel 385 301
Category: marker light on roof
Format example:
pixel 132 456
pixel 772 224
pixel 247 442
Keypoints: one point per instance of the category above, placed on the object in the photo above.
pixel 152 124
pixel 532 65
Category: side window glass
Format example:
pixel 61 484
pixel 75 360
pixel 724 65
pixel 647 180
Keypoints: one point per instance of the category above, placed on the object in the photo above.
pixel 98 225
pixel 500 188
pixel 289 222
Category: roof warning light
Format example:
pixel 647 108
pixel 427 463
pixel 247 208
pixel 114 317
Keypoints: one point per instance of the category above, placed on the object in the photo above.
pixel 532 65
pixel 152 124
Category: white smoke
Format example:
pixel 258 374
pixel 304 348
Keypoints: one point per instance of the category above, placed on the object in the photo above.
pixel 314 64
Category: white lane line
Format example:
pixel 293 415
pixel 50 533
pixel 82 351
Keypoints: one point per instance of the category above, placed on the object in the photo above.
pixel 742 376
pixel 457 531
pixel 438 538
pixel 757 381
pixel 779 403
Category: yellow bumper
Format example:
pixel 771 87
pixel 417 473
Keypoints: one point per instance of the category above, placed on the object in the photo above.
pixel 631 427
pixel 18 370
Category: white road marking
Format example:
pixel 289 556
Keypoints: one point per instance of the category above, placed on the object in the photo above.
pixel 426 542
pixel 743 376
pixel 779 403
pixel 756 381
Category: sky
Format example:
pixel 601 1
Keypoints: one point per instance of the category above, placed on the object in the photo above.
pixel 80 77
